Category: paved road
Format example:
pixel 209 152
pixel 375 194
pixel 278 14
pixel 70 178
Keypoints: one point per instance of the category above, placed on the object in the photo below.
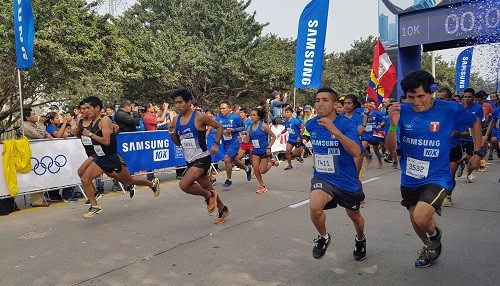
pixel 266 240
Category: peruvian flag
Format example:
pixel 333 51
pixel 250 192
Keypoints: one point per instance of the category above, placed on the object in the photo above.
pixel 434 127
pixel 382 75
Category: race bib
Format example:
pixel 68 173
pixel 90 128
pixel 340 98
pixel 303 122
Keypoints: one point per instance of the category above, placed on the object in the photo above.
pixel 255 143
pixel 324 163
pixel 188 143
pixel 86 140
pixel 417 168
pixel 289 130
pixel 98 150
pixel 369 128
pixel 227 137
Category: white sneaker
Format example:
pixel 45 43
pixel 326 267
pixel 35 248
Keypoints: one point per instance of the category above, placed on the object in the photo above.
pixel 470 178
pixel 236 168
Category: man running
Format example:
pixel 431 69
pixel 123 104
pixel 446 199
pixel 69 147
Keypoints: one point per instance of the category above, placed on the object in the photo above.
pixel 101 135
pixel 295 129
pixel 188 129
pixel 425 127
pixel 335 142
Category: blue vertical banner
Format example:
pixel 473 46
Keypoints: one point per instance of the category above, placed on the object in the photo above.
pixel 24 33
pixel 310 44
pixel 462 70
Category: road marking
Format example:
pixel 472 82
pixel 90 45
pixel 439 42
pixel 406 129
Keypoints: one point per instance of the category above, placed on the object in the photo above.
pixel 307 201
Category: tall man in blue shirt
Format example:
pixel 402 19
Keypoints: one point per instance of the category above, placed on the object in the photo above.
pixel 335 142
pixel 426 126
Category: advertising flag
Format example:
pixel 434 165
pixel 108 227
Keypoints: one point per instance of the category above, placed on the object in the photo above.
pixel 382 75
pixel 24 33
pixel 462 70
pixel 310 44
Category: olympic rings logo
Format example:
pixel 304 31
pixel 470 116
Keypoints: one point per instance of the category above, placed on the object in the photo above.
pixel 48 164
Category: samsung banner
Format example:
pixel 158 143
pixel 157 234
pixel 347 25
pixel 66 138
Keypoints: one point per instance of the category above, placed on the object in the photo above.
pixel 462 70
pixel 24 33
pixel 310 44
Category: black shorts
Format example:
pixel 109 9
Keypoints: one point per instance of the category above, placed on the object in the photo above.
pixel 371 142
pixel 347 200
pixel 202 163
pixel 110 163
pixel 295 144
pixel 399 152
pixel 306 137
pixel 468 147
pixel 456 153
pixel 433 194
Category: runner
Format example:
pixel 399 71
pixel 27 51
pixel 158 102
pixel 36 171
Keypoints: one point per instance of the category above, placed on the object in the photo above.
pixel 467 142
pixel 259 133
pixel 425 126
pixel 295 129
pixel 106 160
pixel 188 129
pixel 371 137
pixel 335 182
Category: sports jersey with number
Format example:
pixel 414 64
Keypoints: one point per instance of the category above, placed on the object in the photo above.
pixel 293 127
pixel 426 141
pixel 230 121
pixel 332 162
pixel 477 110
pixel 193 141
pixel 373 119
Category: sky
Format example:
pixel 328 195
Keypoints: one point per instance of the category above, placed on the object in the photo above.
pixel 347 21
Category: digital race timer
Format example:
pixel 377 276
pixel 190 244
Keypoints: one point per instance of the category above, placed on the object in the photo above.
pixel 470 20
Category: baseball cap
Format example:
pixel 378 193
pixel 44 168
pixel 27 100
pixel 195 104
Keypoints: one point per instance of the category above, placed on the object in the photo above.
pixel 307 108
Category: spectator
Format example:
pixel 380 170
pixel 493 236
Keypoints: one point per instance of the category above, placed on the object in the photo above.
pixel 277 105
pixel 150 123
pixel 34 130
pixel 127 117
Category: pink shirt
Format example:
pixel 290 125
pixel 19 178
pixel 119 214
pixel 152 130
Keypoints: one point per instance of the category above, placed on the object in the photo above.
pixel 149 120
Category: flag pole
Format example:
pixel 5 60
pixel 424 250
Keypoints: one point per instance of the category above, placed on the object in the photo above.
pixel 294 90
pixel 20 98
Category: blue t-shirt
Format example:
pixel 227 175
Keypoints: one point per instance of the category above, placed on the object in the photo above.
pixel 230 121
pixel 373 119
pixel 332 162
pixel 293 127
pixel 477 110
pixel 426 141
pixel 495 131
pixel 259 139
pixel 51 128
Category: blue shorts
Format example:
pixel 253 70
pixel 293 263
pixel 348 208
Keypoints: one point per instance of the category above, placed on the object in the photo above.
pixel 232 150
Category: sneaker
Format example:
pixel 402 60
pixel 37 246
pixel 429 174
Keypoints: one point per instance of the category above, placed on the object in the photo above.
pixel 213 181
pixel 300 159
pixel 482 163
pixel 460 170
pixel 395 165
pixel 470 178
pixel 321 246
pixel 447 202
pixel 289 167
pixel 359 249
pixel 227 183
pixel 93 210
pixel 155 187
pixel 222 215
pixel 211 202
pixel 131 190
pixel 361 172
pixel 422 260
pixel 236 168
pixel 490 157
pixel 249 173
pixel 71 199
pixel 261 190
pixel 482 169
pixel 434 246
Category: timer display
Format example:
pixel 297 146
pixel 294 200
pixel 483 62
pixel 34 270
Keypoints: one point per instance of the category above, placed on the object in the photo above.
pixel 468 21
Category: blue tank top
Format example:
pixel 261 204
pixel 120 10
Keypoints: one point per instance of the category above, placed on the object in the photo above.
pixel 332 162
pixel 193 141
pixel 259 139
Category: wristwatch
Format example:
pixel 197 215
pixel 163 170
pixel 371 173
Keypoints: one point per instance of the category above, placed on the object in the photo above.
pixel 480 153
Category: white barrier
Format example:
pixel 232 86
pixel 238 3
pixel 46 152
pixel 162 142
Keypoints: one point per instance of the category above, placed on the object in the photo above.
pixel 54 163
pixel 280 143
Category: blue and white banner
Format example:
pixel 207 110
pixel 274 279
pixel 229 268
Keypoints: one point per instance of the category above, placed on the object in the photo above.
pixel 310 44
pixel 24 33
pixel 462 71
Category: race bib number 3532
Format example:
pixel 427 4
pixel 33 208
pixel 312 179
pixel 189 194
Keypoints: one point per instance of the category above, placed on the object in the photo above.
pixel 417 168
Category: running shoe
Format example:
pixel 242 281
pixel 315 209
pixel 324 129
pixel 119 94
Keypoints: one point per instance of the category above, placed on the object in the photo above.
pixel 93 210
pixel 249 173
pixel 300 159
pixel 422 260
pixel 261 190
pixel 156 187
pixel 447 202
pixel 321 244
pixel 434 246
pixel 490 157
pixel 388 158
pixel 361 172
pixel 131 190
pixel 359 249
pixel 289 167
pixel 236 168
pixel 222 215
pixel 227 183
pixel 460 170
pixel 211 202
pixel 395 165
pixel 470 178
